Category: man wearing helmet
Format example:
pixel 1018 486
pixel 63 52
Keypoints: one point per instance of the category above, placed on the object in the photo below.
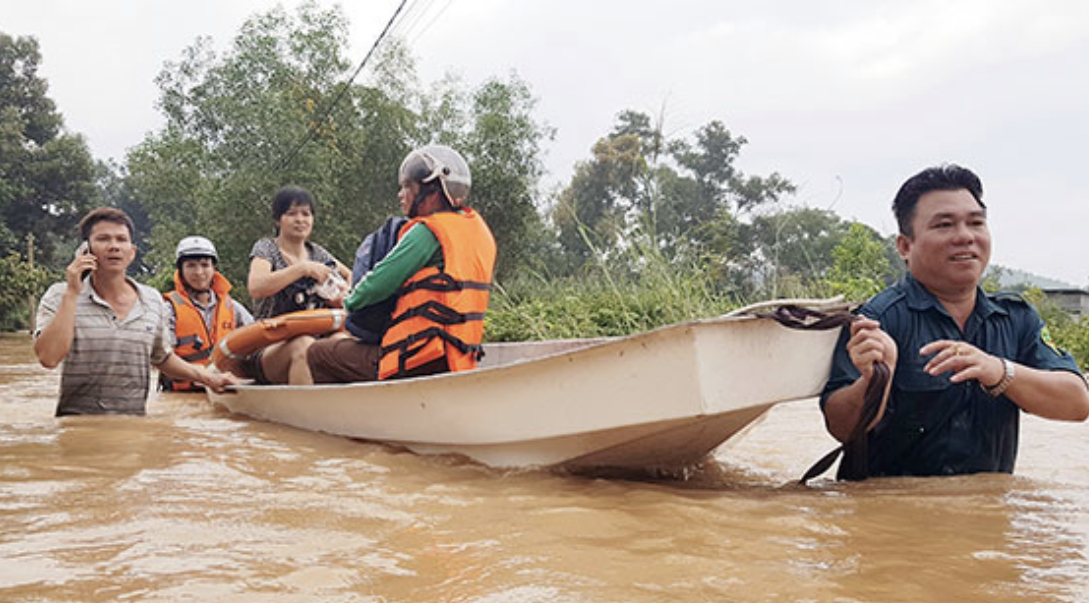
pixel 201 309
pixel 438 274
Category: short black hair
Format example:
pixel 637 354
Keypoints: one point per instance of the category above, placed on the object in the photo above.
pixel 288 197
pixel 105 214
pixel 945 177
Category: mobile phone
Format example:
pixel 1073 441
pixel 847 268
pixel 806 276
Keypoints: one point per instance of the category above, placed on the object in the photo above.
pixel 83 249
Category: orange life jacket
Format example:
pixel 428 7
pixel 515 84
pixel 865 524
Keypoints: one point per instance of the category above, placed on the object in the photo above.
pixel 195 343
pixel 441 313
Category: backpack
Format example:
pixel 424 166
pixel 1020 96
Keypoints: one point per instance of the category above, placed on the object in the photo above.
pixel 370 323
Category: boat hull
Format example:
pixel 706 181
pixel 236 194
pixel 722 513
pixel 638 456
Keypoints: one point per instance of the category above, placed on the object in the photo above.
pixel 662 399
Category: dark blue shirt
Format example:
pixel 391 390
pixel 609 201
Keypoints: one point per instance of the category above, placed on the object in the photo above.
pixel 932 426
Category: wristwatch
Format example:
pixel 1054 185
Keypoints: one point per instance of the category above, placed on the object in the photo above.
pixel 999 388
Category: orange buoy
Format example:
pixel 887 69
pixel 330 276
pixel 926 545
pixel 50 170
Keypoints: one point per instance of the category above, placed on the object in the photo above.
pixel 228 354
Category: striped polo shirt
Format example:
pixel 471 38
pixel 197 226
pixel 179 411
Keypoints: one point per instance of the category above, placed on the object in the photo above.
pixel 107 370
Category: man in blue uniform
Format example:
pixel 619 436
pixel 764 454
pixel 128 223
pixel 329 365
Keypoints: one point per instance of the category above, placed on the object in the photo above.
pixel 963 363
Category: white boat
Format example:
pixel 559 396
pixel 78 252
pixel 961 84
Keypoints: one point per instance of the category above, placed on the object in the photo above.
pixel 658 400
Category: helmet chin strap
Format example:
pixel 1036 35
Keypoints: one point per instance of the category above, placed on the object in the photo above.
pixel 421 196
pixel 414 209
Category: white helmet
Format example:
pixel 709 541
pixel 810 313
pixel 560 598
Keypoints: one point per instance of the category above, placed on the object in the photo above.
pixel 427 163
pixel 195 247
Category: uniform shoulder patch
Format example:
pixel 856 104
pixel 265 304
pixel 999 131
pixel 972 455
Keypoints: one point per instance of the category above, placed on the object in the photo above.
pixel 1045 336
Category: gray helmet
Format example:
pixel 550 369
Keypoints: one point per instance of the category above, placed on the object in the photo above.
pixel 427 163
pixel 195 247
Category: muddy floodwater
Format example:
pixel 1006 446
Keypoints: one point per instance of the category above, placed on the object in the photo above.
pixel 193 504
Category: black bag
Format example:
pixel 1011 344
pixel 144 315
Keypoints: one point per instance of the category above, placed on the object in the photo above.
pixel 370 322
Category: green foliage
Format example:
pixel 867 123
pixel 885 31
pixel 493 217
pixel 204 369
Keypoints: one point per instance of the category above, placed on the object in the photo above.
pixel 1074 338
pixel 861 267
pixel 603 301
pixel 494 128
pixel 116 190
pixel 235 123
pixel 992 278
pixel 685 195
pixel 46 174
pixel 591 213
pixel 19 284
pixel 1069 333
pixel 793 248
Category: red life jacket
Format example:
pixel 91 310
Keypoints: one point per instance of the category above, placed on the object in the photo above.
pixel 195 343
pixel 441 313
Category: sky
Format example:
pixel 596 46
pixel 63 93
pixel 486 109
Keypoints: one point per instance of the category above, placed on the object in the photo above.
pixel 847 99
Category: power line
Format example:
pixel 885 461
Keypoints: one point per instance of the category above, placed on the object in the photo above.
pixel 343 90
pixel 412 17
pixel 426 27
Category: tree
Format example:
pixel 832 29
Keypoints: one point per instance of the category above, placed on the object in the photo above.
pixel 277 108
pixel 242 125
pixel 46 175
pixel 861 267
pixel 591 213
pixel 795 245
pixel 684 196
pixel 19 283
pixel 114 186
pixel 503 146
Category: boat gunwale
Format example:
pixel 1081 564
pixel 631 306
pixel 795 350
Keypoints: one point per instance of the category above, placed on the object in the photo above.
pixel 592 344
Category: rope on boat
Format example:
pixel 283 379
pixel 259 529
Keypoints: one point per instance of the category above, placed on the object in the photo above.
pixel 830 304
pixel 855 465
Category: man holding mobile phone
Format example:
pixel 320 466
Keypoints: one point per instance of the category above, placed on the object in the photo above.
pixel 107 328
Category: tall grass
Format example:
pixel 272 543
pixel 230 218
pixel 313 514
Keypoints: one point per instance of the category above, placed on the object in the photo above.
pixel 535 308
pixel 636 292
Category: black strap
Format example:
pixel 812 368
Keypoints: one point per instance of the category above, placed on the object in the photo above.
pixel 442 282
pixel 438 313
pixel 855 449
pixel 855 465
pixel 402 346
pixel 197 342
pixel 201 355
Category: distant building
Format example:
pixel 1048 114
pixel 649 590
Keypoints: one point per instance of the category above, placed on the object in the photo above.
pixel 1073 301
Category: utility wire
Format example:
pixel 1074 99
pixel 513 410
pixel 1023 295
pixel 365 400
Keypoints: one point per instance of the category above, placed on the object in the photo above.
pixel 343 90
pixel 412 16
pixel 426 27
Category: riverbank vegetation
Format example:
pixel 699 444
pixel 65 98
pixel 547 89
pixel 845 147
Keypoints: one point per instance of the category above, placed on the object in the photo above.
pixel 649 229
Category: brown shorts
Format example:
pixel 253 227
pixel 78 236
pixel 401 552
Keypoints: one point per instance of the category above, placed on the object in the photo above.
pixel 342 360
pixel 347 359
pixel 251 366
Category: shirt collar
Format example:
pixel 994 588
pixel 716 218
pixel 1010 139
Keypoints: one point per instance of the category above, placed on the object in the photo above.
pixel 920 299
pixel 89 291
pixel 212 299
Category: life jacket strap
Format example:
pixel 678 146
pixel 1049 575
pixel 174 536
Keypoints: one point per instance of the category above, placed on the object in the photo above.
pixel 476 351
pixel 201 355
pixel 193 340
pixel 438 313
pixel 443 282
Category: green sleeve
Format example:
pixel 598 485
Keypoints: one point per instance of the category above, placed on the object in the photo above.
pixel 411 253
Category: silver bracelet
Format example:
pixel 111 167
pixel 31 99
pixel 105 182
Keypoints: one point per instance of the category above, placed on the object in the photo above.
pixel 1003 384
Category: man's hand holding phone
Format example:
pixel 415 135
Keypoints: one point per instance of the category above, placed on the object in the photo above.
pixel 82 265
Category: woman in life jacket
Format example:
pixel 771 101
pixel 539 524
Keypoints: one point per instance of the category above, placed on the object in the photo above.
pixel 437 276
pixel 201 310
pixel 289 273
